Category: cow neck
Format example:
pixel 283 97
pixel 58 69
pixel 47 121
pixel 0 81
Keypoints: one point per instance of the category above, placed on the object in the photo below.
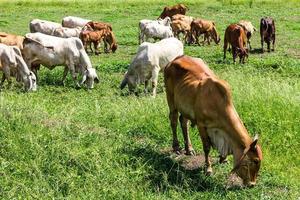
pixel 239 136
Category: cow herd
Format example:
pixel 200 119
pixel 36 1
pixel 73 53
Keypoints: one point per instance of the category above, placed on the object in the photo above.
pixel 194 92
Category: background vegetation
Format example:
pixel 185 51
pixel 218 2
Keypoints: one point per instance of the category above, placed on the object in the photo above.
pixel 60 142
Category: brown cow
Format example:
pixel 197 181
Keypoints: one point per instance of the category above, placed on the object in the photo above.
pixel 267 32
pixel 173 10
pixel 198 95
pixel 235 35
pixel 206 27
pixel 97 26
pixel 95 37
pixel 11 40
pixel 110 39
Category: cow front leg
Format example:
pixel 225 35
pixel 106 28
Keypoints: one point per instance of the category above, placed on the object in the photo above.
pixel 173 116
pixel 2 80
pixel 268 45
pixel 74 75
pixel 206 148
pixel 66 70
pixel 187 142
pixel 262 45
pixel 146 86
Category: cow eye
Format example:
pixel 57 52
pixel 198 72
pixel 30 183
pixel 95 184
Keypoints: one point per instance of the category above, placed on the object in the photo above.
pixel 256 161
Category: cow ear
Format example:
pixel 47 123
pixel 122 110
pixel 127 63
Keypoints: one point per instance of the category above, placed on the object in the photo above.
pixel 253 144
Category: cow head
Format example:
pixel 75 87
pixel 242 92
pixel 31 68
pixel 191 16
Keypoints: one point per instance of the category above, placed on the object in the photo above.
pixel 89 77
pixel 242 53
pixel 30 81
pixel 130 80
pixel 249 164
pixel 215 35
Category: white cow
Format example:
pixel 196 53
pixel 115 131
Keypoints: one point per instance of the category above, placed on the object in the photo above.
pixel 249 28
pixel 43 26
pixel 144 22
pixel 66 32
pixel 73 22
pixel 12 63
pixel 157 31
pixel 149 60
pixel 52 51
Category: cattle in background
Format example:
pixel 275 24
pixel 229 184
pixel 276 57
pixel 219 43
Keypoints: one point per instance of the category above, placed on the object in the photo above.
pixel 144 22
pixel 64 32
pixel 267 32
pixel 149 60
pixel 236 37
pixel 181 24
pixel 195 92
pixel 157 31
pixel 43 26
pixel 206 27
pixel 173 10
pixel 73 22
pixel 40 49
pixel 249 28
pixel 12 64
pixel 11 40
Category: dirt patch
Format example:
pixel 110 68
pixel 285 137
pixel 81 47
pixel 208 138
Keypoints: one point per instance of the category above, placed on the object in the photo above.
pixel 188 162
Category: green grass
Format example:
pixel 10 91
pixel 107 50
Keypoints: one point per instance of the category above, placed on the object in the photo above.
pixel 60 142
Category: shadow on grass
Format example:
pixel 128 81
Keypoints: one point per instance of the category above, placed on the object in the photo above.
pixel 166 171
pixel 256 51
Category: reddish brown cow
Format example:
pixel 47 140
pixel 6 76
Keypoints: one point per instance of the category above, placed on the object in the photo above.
pixel 97 26
pixel 195 92
pixel 95 37
pixel 206 27
pixel 235 35
pixel 173 10
pixel 110 39
pixel 267 32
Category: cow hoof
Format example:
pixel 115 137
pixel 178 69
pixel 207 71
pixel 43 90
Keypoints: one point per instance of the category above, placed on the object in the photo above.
pixel 190 152
pixel 208 171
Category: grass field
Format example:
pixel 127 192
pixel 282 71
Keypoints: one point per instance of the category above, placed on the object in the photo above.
pixel 64 143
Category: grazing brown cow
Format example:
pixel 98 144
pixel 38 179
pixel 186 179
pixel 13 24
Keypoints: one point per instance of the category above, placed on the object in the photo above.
pixel 267 32
pixel 97 26
pixel 11 40
pixel 206 27
pixel 95 37
pixel 235 35
pixel 198 95
pixel 173 10
pixel 110 39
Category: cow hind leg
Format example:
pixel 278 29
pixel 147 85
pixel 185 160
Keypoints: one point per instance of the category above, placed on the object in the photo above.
pixel 206 148
pixel 268 45
pixel 155 73
pixel 187 142
pixel 173 116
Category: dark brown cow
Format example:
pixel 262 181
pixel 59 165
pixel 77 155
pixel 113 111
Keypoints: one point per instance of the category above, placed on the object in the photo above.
pixel 173 10
pixel 235 35
pixel 206 27
pixel 267 32
pixel 195 92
